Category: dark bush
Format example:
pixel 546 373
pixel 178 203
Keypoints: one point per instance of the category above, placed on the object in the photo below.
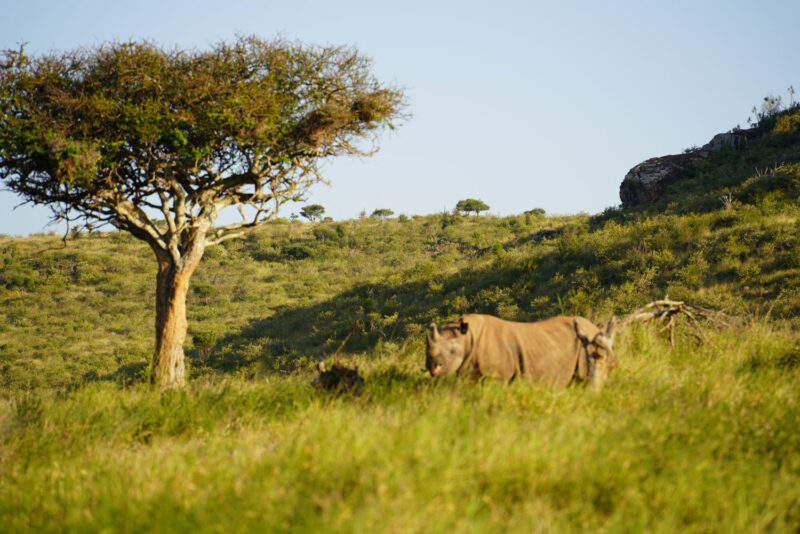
pixel 297 252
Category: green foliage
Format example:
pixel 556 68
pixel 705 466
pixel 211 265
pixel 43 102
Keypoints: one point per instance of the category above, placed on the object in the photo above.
pixel 788 123
pixel 297 252
pixel 536 212
pixel 381 213
pixel 204 291
pixel 75 121
pixel 204 341
pixel 324 233
pixel 471 204
pixel 765 117
pixel 312 212
pixel 499 252
pixel 449 219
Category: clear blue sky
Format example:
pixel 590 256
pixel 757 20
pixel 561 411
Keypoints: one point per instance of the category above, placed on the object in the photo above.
pixel 521 104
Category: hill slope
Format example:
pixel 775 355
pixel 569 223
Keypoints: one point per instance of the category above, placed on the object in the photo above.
pixel 695 439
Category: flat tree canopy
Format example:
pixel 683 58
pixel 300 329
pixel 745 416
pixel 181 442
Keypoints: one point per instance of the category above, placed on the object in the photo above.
pixel 471 204
pixel 313 212
pixel 129 133
pixel 382 213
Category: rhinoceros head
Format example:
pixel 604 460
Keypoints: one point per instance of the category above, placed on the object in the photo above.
pixel 600 357
pixel 446 348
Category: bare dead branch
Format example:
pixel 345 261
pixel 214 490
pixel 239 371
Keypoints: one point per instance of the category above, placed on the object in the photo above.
pixel 666 310
pixel 341 346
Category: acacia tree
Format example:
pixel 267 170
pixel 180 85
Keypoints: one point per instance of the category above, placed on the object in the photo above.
pixel 313 212
pixel 471 204
pixel 381 213
pixel 158 142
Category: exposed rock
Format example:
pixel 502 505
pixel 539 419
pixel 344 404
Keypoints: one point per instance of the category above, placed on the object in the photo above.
pixel 737 139
pixel 645 182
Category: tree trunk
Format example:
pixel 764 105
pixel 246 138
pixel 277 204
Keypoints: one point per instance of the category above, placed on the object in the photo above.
pixel 167 368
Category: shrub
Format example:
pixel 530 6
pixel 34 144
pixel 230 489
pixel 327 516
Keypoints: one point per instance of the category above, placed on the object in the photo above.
pixel 20 277
pixel 204 341
pixel 204 291
pixel 788 123
pixel 449 219
pixel 297 252
pixel 536 212
pixel 322 233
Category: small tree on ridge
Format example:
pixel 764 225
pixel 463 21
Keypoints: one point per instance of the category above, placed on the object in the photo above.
pixel 471 204
pixel 313 212
pixel 381 213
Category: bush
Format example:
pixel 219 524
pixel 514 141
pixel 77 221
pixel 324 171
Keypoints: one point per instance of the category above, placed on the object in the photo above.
pixel 204 291
pixel 297 252
pixel 20 277
pixel 536 212
pixel 449 219
pixel 322 233
pixel 204 341
pixel 788 123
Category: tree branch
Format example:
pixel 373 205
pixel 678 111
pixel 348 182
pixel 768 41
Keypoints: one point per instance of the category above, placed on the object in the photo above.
pixel 665 310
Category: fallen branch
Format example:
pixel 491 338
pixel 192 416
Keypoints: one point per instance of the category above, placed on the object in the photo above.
pixel 665 311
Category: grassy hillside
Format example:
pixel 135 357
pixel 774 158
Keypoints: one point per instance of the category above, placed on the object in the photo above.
pixel 700 438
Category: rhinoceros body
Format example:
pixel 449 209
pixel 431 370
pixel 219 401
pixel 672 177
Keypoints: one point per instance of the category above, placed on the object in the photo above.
pixel 553 352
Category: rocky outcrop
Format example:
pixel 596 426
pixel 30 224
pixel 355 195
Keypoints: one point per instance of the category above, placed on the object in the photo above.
pixel 645 182
pixel 737 139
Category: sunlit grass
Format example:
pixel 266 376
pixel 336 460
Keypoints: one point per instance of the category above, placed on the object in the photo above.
pixel 693 439
pixel 700 438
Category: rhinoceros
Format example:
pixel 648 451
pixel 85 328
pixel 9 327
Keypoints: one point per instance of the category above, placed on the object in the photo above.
pixel 555 351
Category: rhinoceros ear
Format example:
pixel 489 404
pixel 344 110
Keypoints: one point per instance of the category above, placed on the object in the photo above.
pixel 610 328
pixel 464 326
pixel 579 331
pixel 433 335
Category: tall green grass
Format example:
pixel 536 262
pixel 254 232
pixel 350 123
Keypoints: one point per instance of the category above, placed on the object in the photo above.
pixel 702 438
